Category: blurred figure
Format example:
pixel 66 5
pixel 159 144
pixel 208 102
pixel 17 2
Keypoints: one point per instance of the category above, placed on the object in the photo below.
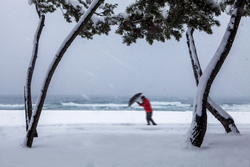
pixel 148 109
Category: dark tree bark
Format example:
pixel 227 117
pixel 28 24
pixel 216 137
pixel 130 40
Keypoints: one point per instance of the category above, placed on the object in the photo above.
pixel 221 115
pixel 27 88
pixel 199 123
pixel 38 109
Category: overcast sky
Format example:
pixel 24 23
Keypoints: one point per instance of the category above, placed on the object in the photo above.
pixel 105 66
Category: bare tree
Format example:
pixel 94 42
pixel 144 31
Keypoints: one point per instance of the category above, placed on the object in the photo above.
pixel 199 123
pixel 74 33
pixel 27 87
pixel 225 119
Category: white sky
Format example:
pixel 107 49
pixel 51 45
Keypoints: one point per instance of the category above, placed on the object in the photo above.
pixel 105 66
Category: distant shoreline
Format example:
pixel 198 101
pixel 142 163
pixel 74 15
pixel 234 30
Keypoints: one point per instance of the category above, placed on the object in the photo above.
pixel 50 117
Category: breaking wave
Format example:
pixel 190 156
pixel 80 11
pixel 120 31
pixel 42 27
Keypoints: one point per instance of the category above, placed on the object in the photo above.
pixel 112 104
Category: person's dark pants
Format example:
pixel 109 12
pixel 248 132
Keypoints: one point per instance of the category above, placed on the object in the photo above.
pixel 149 118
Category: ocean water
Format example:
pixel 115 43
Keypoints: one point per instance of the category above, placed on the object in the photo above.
pixel 103 103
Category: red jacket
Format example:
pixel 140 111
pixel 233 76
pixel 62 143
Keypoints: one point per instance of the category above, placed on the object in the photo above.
pixel 147 106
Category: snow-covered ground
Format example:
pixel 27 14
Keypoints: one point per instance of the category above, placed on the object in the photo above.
pixel 120 139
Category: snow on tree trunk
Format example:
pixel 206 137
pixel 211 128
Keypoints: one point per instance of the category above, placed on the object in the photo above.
pixel 225 119
pixel 27 88
pixel 199 123
pixel 67 42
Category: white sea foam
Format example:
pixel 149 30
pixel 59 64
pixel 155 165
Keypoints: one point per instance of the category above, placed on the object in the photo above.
pixel 236 107
pixel 115 104
pixel 11 106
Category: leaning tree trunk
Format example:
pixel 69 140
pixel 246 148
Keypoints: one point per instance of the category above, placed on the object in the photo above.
pixel 27 88
pixel 199 123
pixel 38 109
pixel 225 119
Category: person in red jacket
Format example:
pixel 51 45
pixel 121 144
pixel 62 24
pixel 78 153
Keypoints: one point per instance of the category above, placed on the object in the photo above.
pixel 148 109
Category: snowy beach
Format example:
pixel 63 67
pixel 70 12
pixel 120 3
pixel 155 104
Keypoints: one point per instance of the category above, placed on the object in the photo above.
pixel 121 139
pixel 88 82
